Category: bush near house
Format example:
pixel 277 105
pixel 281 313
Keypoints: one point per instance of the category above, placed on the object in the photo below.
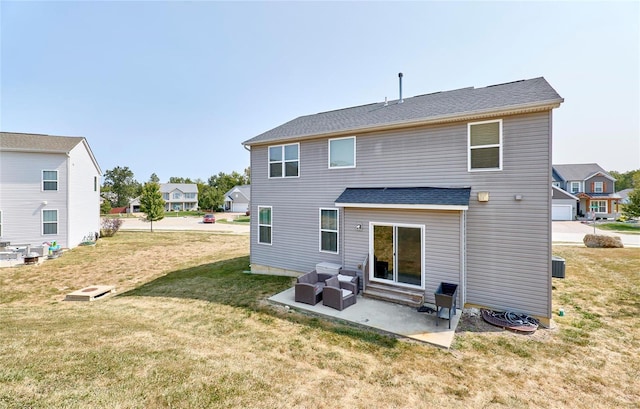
pixel 110 227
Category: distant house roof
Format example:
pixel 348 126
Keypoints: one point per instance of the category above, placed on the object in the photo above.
pixel 244 190
pixel 406 197
pixel 624 195
pixel 580 171
pixel 27 142
pixel 466 103
pixel 557 193
pixel 183 187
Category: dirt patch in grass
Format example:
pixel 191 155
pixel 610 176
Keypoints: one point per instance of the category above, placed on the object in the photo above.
pixel 189 329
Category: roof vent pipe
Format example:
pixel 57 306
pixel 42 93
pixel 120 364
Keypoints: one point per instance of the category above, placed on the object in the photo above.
pixel 385 101
pixel 400 101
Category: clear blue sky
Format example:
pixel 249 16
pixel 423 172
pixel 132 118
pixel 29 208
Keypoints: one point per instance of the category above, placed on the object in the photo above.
pixel 175 87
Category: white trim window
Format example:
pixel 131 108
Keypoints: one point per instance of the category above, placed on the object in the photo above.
pixel 265 231
pixel 49 180
pixel 342 153
pixel 49 222
pixel 95 183
pixel 484 144
pixel 599 206
pixel 284 161
pixel 329 230
pixel 575 187
pixel 598 187
pixel 176 196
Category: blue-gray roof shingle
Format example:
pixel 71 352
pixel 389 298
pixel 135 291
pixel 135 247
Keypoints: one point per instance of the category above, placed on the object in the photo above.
pixel 440 196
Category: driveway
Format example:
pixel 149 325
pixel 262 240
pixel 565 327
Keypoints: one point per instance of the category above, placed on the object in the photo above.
pixel 188 223
pixel 573 232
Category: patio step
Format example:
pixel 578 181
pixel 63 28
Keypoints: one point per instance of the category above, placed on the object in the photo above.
pixel 398 295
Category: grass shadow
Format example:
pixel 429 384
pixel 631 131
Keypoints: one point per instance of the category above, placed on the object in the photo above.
pixel 225 282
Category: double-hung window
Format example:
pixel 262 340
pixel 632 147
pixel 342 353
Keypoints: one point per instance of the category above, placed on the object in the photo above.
pixel 598 187
pixel 165 196
pixel 264 225
pixel 49 180
pixel 177 195
pixel 49 222
pixel 342 152
pixel 329 230
pixel 484 145
pixel 284 161
pixel 599 206
pixel 575 187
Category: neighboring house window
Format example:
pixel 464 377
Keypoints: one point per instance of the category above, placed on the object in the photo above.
pixel 165 196
pixel 189 195
pixel 599 206
pixel 95 183
pixel 485 145
pixel 49 180
pixel 284 161
pixel 342 153
pixel 575 187
pixel 329 230
pixel 264 224
pixel 598 187
pixel 49 222
pixel 177 195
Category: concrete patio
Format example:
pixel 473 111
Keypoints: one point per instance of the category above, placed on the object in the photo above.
pixel 384 316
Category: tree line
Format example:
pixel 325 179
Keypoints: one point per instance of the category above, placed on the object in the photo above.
pixel 120 187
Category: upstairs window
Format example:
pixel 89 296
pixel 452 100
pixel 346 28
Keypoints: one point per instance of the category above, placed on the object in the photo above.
pixel 165 196
pixel 49 180
pixel 598 187
pixel 329 230
pixel 189 195
pixel 49 222
pixel 342 153
pixel 177 195
pixel 575 187
pixel 284 161
pixel 485 145
pixel 264 224
pixel 95 183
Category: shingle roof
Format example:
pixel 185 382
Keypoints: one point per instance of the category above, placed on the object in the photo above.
pixel 183 187
pixel 579 171
pixel 439 106
pixel 245 190
pixel 13 141
pixel 406 196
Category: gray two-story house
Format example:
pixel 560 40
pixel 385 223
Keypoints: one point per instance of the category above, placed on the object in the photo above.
pixel 593 187
pixel 446 187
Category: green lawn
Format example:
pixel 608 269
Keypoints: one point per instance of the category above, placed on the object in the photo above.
pixel 189 328
pixel 632 228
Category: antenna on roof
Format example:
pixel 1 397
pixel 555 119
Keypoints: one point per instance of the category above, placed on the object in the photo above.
pixel 400 101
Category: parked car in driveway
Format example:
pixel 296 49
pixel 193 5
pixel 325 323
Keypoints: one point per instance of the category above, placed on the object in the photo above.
pixel 209 218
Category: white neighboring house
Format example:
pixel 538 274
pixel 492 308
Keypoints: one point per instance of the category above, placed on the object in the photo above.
pixel 49 189
pixel 179 196
pixel 238 199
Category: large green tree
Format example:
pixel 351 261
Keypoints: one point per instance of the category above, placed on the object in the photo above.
pixel 154 178
pixel 631 209
pixel 121 185
pixel 626 180
pixel 175 179
pixel 151 202
pixel 225 181
pixel 209 198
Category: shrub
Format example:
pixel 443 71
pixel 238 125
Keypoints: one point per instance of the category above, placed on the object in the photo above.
pixel 599 241
pixel 110 226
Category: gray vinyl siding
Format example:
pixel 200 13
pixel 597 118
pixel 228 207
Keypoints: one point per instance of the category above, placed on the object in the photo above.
pixel 508 241
pixel 608 186
pixel 442 251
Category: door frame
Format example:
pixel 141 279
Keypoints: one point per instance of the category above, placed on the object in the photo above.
pixel 394 282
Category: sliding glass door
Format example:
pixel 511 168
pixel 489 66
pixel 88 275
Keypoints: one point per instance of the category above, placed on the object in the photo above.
pixel 397 253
